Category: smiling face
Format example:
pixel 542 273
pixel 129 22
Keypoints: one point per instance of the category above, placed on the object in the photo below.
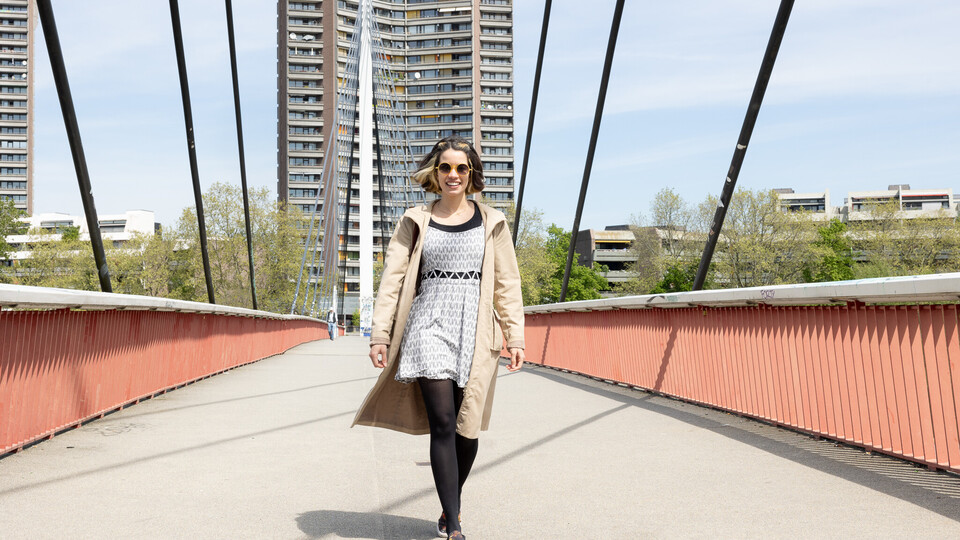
pixel 450 165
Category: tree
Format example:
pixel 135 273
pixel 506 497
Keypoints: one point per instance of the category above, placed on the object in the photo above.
pixel 377 271
pixel 664 243
pixel 10 225
pixel 892 242
pixel 58 260
pixel 759 243
pixel 276 244
pixel 646 251
pixel 673 217
pixel 834 257
pixel 535 266
pixel 584 284
pixel 677 278
pixel 151 265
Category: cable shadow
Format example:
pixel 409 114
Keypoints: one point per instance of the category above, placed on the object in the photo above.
pixel 171 453
pixel 667 353
pixel 321 523
pixel 927 493
pixel 425 492
pixel 281 392
pixel 546 343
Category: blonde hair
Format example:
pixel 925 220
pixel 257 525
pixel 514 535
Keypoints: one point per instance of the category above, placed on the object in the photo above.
pixel 426 174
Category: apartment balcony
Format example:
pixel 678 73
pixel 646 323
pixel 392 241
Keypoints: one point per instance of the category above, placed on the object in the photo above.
pixel 618 276
pixel 613 255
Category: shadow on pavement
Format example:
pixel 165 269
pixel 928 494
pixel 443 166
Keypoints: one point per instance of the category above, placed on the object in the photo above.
pixel 176 452
pixel 936 491
pixel 509 456
pixel 364 525
pixel 241 398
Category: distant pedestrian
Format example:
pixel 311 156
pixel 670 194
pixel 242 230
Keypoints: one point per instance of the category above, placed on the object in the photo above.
pixel 449 294
pixel 332 324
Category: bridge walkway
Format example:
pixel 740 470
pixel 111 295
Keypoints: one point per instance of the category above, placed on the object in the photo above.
pixel 264 451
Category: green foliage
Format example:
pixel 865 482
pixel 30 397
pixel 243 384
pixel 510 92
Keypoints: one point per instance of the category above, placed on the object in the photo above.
pixel 661 242
pixel 70 233
pixel 866 270
pixel 835 259
pixel 168 263
pixel 276 250
pixel 679 278
pixel 150 265
pixel 9 225
pixel 377 271
pixel 60 261
pixel 535 267
pixel 542 257
pixel 584 284
pixel 760 244
pixel 892 241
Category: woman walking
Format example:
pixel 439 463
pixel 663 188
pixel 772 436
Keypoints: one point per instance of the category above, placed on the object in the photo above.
pixel 449 295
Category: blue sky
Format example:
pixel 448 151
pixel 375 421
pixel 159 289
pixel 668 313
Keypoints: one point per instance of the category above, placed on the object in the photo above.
pixel 864 94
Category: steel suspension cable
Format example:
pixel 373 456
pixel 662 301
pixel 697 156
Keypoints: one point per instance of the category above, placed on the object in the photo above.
pixel 597 117
pixel 749 121
pixel 346 218
pixel 329 281
pixel 191 144
pixel 243 164
pixel 52 38
pixel 376 134
pixel 533 112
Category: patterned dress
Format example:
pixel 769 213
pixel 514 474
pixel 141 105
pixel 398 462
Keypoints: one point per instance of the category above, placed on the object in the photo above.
pixel 441 332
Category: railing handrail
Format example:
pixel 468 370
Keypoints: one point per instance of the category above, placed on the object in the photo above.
pixel 23 296
pixel 926 288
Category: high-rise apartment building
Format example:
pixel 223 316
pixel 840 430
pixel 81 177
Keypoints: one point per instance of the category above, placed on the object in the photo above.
pixel 17 24
pixel 454 63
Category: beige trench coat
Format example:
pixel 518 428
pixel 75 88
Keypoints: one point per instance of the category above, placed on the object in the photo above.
pixel 398 406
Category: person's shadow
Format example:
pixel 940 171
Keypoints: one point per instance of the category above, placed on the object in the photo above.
pixel 364 525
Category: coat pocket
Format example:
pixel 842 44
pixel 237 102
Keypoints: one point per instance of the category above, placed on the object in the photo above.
pixel 497 343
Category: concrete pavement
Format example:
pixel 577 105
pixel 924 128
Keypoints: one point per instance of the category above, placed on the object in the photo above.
pixel 264 451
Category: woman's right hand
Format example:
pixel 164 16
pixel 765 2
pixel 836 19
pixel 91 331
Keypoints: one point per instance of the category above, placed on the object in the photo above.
pixel 378 355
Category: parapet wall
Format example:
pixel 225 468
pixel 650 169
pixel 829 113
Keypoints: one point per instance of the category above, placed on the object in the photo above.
pixel 76 355
pixel 871 363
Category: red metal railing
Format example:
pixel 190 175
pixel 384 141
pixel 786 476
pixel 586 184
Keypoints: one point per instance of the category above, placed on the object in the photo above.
pixel 59 367
pixel 883 377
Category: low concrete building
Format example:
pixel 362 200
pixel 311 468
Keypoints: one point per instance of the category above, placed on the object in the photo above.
pixel 609 247
pixel 817 203
pixel 912 203
pixel 47 227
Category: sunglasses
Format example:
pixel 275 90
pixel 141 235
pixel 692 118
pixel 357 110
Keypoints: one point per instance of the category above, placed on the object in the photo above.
pixel 462 169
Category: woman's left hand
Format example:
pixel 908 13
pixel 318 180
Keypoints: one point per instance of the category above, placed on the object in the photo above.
pixel 516 358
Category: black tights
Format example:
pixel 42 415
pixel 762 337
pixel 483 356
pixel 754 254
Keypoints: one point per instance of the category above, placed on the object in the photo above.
pixel 451 455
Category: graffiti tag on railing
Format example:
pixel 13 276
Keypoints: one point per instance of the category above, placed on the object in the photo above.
pixel 767 294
